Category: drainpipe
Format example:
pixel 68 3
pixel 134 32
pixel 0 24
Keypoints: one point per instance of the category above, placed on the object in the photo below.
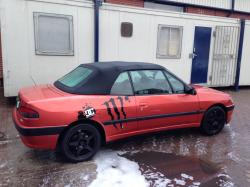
pixel 237 77
pixel 232 8
pixel 97 4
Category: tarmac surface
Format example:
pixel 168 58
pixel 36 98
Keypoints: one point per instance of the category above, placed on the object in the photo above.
pixel 172 158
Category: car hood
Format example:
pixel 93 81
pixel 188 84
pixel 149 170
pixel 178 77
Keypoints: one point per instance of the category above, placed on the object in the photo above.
pixel 205 90
pixel 40 92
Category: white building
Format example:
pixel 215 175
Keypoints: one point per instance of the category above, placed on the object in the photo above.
pixel 44 39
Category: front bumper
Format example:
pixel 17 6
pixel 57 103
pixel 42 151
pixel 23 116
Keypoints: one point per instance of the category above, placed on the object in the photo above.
pixel 38 138
pixel 230 110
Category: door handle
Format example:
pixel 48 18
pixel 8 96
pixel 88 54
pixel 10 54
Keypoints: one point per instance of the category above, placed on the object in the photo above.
pixel 194 55
pixel 143 105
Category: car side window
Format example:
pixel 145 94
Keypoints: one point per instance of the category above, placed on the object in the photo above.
pixel 122 85
pixel 147 82
pixel 177 85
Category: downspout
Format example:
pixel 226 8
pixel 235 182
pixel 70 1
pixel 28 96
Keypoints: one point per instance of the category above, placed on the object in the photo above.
pixel 97 4
pixel 237 77
pixel 232 8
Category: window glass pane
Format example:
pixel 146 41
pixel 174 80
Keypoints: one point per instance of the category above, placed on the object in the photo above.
pixel 122 85
pixel 169 42
pixel 177 85
pixel 163 41
pixel 174 43
pixel 53 34
pixel 150 82
pixel 76 76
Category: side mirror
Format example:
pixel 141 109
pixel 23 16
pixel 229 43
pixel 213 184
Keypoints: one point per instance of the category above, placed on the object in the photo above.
pixel 191 91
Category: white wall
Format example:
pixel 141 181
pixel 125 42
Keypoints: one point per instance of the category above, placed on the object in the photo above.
pixel 142 46
pixel 245 61
pixel 163 7
pixel 22 67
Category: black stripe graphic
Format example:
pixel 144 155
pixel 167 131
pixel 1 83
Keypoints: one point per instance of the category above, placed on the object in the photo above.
pixel 122 107
pixel 110 112
pixel 116 111
pixel 153 117
pixel 39 131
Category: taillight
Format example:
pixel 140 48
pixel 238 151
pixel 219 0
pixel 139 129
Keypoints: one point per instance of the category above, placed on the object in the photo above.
pixel 27 112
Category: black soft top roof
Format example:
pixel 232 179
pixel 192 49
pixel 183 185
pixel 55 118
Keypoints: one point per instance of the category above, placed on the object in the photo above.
pixel 104 75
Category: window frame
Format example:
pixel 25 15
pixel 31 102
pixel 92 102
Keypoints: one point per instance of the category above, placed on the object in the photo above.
pixel 185 85
pixel 163 71
pixel 38 51
pixel 133 88
pixel 130 81
pixel 160 56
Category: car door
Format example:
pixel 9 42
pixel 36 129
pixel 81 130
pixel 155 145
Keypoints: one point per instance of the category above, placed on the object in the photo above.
pixel 121 106
pixel 161 100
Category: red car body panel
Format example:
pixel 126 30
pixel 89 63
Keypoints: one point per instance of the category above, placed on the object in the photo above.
pixel 135 114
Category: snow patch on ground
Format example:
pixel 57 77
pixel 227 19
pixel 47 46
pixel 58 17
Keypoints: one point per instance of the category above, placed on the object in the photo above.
pixel 180 182
pixel 187 176
pixel 5 142
pixel 114 170
pixel 233 156
pixel 200 147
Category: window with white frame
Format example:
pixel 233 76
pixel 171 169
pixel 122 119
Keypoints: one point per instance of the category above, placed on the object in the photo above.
pixel 169 41
pixel 53 34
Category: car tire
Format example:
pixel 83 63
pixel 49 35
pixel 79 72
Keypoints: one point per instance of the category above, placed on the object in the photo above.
pixel 80 143
pixel 213 121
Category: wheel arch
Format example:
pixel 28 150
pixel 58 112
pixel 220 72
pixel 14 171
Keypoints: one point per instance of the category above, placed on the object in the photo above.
pixel 216 104
pixel 96 124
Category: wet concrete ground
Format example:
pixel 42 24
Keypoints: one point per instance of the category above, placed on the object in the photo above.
pixel 171 157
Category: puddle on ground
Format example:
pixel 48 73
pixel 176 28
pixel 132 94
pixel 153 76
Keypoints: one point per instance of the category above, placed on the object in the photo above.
pixel 164 169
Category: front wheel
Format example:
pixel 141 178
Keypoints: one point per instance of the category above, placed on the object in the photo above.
pixel 213 121
pixel 80 142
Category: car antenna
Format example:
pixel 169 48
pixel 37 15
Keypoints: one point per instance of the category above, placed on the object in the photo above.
pixel 33 80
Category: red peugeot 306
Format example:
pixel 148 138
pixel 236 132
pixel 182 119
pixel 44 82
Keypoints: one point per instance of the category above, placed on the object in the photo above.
pixel 101 102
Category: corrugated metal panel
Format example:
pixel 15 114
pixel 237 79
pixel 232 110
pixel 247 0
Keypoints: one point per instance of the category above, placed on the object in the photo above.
pixel 224 56
pixel 1 60
pixel 242 5
pixel 225 4
pixel 163 7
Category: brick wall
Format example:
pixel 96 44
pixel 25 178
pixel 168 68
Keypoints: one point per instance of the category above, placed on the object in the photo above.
pixel 138 3
pixel 211 12
pixel 240 16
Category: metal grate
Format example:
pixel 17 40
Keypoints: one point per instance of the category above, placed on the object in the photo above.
pixel 224 56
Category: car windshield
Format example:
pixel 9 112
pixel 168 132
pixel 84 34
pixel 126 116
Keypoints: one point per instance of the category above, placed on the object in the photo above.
pixel 76 76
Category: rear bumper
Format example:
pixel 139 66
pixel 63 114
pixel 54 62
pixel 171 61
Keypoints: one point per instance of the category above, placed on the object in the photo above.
pixel 230 110
pixel 38 138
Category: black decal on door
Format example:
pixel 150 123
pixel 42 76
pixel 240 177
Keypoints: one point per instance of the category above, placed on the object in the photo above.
pixel 122 107
pixel 110 112
pixel 116 110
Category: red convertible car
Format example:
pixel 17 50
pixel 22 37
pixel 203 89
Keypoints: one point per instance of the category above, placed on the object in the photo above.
pixel 101 102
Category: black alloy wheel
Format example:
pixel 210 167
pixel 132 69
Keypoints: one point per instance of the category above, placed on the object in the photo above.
pixel 213 121
pixel 81 142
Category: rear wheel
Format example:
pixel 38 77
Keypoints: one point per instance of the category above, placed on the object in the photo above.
pixel 80 143
pixel 213 121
